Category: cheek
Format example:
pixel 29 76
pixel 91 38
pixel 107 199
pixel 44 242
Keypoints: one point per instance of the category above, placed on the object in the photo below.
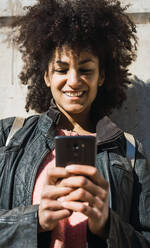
pixel 94 87
pixel 56 89
pixel 54 84
pixel 94 91
pixel 57 82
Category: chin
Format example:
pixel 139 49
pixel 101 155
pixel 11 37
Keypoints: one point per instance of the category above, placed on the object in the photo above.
pixel 75 111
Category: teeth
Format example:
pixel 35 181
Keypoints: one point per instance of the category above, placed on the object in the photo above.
pixel 74 94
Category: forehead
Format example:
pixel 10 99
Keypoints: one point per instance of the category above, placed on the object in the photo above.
pixel 68 54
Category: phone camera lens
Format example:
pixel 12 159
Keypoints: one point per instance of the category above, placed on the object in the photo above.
pixel 75 147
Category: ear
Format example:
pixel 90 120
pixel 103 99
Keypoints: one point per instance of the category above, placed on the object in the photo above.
pixel 47 79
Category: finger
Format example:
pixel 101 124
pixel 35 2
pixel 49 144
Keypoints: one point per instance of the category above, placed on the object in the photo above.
pixel 83 208
pixel 52 205
pixel 85 183
pixel 79 195
pixel 53 174
pixel 88 171
pixel 99 204
pixel 84 196
pixel 61 214
pixel 91 212
pixel 53 192
pixel 48 219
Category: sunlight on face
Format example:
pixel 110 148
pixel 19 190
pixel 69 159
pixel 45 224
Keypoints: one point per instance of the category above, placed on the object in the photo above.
pixel 73 78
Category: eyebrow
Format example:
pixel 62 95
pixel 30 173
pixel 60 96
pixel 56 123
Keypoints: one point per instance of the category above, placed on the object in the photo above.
pixel 86 61
pixel 80 63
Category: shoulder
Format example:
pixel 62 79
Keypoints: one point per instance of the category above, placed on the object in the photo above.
pixel 7 123
pixel 31 120
pixel 5 126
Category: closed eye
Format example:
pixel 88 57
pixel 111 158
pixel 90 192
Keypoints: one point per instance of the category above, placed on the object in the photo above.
pixel 63 71
pixel 86 71
pixel 82 71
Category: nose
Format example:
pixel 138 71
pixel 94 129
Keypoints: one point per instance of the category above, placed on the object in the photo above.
pixel 73 79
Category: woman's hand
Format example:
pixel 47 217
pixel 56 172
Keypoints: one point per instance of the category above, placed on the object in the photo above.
pixel 50 210
pixel 90 196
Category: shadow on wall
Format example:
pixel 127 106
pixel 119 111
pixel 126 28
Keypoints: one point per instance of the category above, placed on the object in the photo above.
pixel 134 115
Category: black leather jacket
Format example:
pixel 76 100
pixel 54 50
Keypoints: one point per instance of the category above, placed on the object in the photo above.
pixel 129 197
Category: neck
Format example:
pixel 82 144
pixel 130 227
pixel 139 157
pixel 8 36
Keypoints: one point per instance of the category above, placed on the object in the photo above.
pixel 79 123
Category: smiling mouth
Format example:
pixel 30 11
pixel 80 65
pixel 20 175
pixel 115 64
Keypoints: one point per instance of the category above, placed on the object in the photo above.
pixel 75 94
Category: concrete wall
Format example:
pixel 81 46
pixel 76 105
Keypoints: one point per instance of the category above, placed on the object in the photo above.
pixel 134 116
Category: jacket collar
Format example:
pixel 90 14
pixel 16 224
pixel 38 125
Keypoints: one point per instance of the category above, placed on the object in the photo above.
pixel 106 130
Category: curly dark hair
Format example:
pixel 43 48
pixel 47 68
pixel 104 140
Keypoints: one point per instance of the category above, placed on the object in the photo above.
pixel 99 25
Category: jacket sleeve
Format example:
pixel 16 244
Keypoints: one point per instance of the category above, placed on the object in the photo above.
pixel 137 232
pixel 18 227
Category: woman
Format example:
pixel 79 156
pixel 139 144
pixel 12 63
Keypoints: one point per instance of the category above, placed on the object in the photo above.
pixel 76 55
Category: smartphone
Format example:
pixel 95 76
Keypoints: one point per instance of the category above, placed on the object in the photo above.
pixel 75 150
